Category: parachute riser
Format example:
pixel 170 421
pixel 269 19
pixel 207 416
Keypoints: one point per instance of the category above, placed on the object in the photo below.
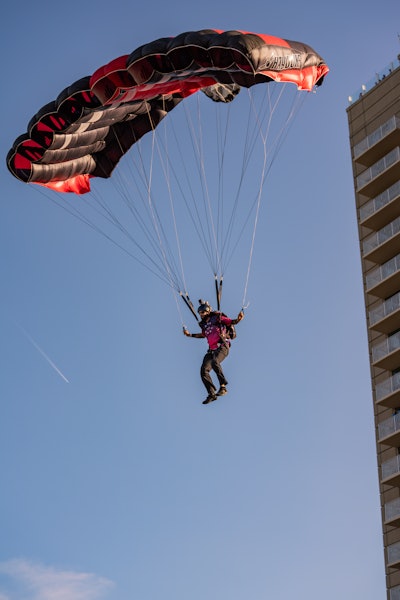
pixel 218 291
pixel 189 304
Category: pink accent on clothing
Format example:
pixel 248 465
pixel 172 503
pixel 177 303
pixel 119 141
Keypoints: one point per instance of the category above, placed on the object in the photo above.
pixel 212 329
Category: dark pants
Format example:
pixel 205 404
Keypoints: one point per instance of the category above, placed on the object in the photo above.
pixel 213 360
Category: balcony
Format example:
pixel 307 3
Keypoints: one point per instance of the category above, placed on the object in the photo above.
pixel 383 244
pixel 378 143
pixel 382 209
pixel 393 556
pixel 384 281
pixel 392 513
pixel 389 431
pixel 386 355
pixel 386 317
pixel 387 393
pixel 395 593
pixel 381 175
pixel 390 471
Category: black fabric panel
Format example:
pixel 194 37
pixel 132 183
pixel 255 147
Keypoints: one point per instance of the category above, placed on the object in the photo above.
pixel 123 135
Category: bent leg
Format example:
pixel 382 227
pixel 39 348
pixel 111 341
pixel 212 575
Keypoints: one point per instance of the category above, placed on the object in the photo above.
pixel 218 356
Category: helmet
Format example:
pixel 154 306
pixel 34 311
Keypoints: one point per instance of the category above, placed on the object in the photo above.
pixel 204 307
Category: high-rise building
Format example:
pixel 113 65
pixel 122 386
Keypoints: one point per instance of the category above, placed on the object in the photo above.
pixel 374 127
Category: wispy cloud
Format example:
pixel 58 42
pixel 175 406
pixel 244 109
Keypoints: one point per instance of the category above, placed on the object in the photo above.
pixel 39 582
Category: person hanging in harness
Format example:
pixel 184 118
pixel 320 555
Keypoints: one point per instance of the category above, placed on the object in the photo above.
pixel 219 330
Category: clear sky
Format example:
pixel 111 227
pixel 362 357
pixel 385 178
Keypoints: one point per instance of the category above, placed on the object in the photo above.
pixel 116 482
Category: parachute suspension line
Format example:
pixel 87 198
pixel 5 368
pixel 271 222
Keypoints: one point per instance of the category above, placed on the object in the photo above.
pixel 153 211
pixel 203 178
pixel 166 170
pixel 111 217
pixel 248 149
pixel 178 307
pixel 232 219
pixel 221 129
pixel 157 236
pixel 221 136
pixel 264 172
pixel 147 182
pixel 198 148
pixel 126 195
pixel 108 214
pixel 192 208
pixel 169 264
pixel 267 109
pixel 253 237
pixel 79 216
pixel 166 167
pixel 275 147
pixel 296 104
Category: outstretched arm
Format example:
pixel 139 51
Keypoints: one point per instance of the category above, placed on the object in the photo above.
pixel 194 335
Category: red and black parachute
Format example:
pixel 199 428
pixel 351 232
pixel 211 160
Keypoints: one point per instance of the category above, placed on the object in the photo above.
pixel 94 122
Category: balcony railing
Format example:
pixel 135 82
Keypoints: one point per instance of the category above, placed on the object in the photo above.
pixel 392 510
pixel 391 468
pixel 376 136
pixel 385 309
pixel 389 345
pixel 389 426
pixel 372 206
pixel 381 236
pixel 383 272
pixel 395 593
pixel 387 387
pixel 393 554
pixel 378 168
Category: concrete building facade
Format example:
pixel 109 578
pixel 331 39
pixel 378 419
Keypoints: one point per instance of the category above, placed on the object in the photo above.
pixel 374 129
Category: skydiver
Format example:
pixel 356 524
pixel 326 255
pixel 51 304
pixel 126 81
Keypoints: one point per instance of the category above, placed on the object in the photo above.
pixel 214 327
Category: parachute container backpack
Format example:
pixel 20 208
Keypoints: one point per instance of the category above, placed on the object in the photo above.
pixel 80 137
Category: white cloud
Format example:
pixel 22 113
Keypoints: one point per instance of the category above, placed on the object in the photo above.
pixel 39 582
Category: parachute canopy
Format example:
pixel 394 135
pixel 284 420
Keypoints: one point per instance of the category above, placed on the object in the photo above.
pixel 94 122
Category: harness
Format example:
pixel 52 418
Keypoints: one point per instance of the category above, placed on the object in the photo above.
pixel 225 331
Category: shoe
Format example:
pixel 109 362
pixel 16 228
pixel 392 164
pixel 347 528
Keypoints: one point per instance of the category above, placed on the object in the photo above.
pixel 222 391
pixel 210 398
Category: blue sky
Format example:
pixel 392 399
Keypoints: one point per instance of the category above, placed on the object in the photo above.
pixel 117 483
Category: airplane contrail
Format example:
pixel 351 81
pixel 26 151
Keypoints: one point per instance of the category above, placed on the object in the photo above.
pixel 47 358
